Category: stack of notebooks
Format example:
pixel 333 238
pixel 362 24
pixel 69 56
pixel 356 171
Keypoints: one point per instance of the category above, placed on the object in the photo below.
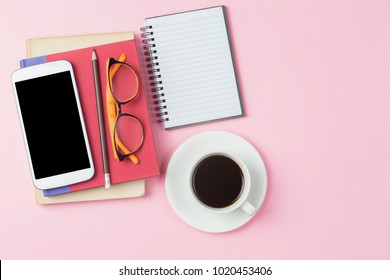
pixel 128 178
pixel 189 73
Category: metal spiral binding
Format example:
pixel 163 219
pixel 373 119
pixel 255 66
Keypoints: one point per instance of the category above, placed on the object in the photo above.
pixel 154 76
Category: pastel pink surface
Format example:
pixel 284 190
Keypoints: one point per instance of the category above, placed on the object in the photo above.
pixel 314 79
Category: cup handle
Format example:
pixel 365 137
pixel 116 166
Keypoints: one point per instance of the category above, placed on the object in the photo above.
pixel 248 208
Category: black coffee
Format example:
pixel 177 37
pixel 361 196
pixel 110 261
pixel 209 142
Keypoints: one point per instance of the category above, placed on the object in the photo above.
pixel 217 181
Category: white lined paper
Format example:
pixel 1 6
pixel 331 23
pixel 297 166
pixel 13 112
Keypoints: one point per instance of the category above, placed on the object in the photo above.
pixel 196 66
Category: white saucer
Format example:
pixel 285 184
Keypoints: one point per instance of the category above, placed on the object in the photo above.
pixel 178 184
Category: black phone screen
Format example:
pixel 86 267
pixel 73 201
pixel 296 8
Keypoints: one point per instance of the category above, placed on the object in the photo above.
pixel 52 125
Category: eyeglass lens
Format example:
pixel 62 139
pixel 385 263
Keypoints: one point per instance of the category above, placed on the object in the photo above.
pixel 129 133
pixel 124 85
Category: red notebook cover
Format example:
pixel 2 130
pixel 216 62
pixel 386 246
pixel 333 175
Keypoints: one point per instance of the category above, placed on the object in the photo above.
pixel 82 65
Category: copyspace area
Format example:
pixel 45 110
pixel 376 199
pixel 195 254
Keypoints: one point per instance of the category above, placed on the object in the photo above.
pixel 314 83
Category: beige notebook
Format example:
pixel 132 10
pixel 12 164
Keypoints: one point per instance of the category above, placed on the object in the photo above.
pixel 44 46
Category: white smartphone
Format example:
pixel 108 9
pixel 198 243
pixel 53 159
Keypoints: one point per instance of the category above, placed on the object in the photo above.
pixel 53 125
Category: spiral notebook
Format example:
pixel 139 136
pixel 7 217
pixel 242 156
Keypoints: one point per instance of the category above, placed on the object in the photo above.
pixel 191 67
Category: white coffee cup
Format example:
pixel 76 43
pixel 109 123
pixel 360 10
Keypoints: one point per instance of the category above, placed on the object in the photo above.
pixel 215 178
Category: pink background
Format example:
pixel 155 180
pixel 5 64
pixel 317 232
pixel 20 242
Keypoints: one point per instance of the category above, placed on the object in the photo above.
pixel 315 83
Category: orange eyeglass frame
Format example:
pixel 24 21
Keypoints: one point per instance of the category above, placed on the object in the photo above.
pixel 113 112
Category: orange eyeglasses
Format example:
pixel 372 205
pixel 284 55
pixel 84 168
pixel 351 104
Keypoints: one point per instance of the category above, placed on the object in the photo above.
pixel 127 133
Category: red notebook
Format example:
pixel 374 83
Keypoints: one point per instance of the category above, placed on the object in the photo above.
pixel 82 65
